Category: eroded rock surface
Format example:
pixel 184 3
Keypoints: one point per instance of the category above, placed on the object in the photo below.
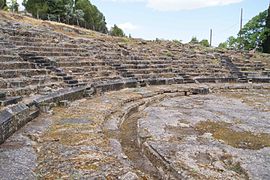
pixel 213 136
pixel 147 133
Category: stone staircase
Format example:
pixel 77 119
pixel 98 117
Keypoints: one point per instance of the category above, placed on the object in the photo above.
pixel 45 63
pixel 5 101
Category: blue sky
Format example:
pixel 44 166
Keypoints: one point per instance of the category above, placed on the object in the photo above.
pixel 179 19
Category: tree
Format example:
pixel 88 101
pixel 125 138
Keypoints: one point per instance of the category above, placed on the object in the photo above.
pixel 68 13
pixel 116 31
pixel 14 6
pixel 223 45
pixel 38 8
pixel 78 15
pixel 233 42
pixel 194 40
pixel 204 43
pixel 94 19
pixel 3 4
pixel 79 12
pixel 266 42
pixel 253 33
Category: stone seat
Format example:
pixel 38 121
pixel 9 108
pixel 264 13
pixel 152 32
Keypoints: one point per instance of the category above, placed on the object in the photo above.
pixel 56 54
pixel 141 62
pixel 31 89
pixel 51 49
pixel 87 68
pixel 16 65
pixel 76 58
pixel 100 78
pixel 7 51
pixel 23 72
pixel 25 81
pixel 10 100
pixel 143 66
pixel 45 44
pixel 81 63
pixel 149 70
pixel 29 39
pixel 155 75
pixel 10 58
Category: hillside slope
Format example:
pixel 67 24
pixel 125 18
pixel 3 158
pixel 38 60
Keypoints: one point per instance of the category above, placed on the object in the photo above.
pixel 42 56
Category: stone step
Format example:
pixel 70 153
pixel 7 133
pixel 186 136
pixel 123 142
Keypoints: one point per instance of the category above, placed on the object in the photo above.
pixel 2 95
pixel 44 44
pixel 61 74
pixel 16 65
pixel 10 58
pixel 10 100
pixel 71 81
pixel 55 54
pixel 23 72
pixel 66 78
pixel 51 49
pixel 80 63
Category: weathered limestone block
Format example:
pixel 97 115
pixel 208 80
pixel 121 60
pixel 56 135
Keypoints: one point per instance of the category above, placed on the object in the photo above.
pixel 201 90
pixel 3 83
pixel 65 94
pixel 11 119
pixel 131 83
pixel 110 86
pixel 2 95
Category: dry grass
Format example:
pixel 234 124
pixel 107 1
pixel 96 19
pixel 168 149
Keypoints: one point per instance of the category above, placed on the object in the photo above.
pixel 244 139
pixel 69 30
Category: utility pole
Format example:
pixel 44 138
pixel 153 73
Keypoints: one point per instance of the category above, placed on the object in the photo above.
pixel 241 21
pixel 241 27
pixel 211 37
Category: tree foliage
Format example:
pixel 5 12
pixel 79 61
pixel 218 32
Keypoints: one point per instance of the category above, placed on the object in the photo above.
pixel 252 36
pixel 3 4
pixel 14 6
pixel 116 31
pixel 95 20
pixel 75 12
pixel 266 42
pixel 205 43
pixel 194 40
pixel 223 45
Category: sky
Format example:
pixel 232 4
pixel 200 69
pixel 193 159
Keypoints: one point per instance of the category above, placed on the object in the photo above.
pixel 179 19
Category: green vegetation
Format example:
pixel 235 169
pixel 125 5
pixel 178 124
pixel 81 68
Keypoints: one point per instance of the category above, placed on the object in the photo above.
pixel 116 31
pixel 223 45
pixel 3 4
pixel 204 43
pixel 266 42
pixel 177 41
pixel 254 35
pixel 194 40
pixel 74 12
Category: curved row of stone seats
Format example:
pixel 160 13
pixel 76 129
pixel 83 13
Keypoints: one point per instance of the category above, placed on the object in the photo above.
pixel 54 49
pixel 182 63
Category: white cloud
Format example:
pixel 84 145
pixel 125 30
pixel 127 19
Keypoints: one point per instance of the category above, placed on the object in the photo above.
pixel 128 26
pixel 177 5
